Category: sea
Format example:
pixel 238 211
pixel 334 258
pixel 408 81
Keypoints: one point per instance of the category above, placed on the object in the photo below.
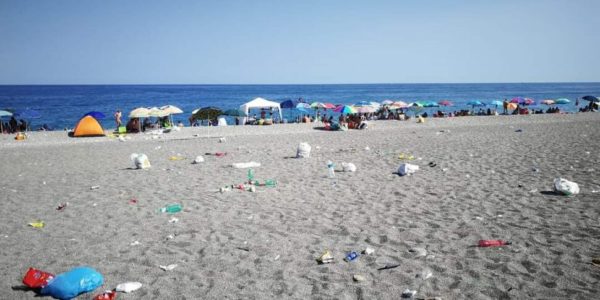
pixel 61 106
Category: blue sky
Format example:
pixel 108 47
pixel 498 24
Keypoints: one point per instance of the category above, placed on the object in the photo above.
pixel 248 42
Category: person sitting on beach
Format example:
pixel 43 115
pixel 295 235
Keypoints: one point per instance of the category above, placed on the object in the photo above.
pixel 22 125
pixel 133 125
pixel 147 124
pixel 13 125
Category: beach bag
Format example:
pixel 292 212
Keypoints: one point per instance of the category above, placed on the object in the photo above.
pixel 140 160
pixel 565 187
pixel 407 169
pixel 303 150
pixel 70 284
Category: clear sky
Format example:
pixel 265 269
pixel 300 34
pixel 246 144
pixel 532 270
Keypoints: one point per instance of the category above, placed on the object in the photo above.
pixel 280 41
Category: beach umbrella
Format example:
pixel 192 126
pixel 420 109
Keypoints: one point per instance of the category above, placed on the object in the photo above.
pixel 387 102
pixel 27 114
pixel 345 109
pixel 399 104
pixel 96 115
pixel 528 101
pixel 547 102
pixel 375 104
pixel 362 104
pixel 431 104
pixel 317 105
pixel 157 112
pixel 416 104
pixel 4 113
pixel 302 105
pixel 288 103
pixel 140 112
pixel 591 98
pixel 445 103
pixel 512 105
pixel 496 103
pixel 234 113
pixel 517 100
pixel 329 105
pixel 365 109
pixel 171 109
pixel 475 103
pixel 562 101
pixel 208 113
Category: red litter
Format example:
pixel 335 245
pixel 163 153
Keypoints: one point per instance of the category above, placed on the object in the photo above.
pixel 107 295
pixel 37 279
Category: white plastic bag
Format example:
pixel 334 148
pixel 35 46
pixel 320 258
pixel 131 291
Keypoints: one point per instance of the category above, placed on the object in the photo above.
pixel 251 164
pixel 348 167
pixel 128 287
pixel 140 160
pixel 303 150
pixel 566 187
pixel 198 159
pixel 407 169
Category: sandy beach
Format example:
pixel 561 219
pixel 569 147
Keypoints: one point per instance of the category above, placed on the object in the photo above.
pixel 492 179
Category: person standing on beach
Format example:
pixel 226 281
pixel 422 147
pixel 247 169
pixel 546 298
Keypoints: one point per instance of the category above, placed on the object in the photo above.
pixel 505 106
pixel 118 118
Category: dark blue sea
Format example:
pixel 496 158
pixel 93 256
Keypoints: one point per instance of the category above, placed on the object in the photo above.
pixel 61 106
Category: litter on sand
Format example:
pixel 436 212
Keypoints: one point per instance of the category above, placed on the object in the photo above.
pixel 407 169
pixel 565 187
pixel 325 258
pixel 128 287
pixel 251 164
pixel 170 267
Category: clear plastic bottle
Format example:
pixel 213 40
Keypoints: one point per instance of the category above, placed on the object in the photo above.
pixel 330 169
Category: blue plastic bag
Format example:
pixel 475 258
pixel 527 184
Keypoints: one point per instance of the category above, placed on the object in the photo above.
pixel 70 284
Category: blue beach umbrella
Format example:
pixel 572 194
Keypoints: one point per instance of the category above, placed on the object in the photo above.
pixel 27 114
pixel 562 101
pixel 288 103
pixel 591 98
pixel 303 105
pixel 96 115
pixel 496 103
pixel 431 104
pixel 475 103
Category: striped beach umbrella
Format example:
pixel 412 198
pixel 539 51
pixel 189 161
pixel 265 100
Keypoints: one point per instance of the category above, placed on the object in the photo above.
pixel 345 109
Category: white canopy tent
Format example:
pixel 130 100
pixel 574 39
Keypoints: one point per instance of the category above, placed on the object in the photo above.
pixel 261 103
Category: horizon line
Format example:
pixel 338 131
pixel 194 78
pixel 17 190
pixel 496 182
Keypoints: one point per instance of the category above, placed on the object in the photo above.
pixel 283 84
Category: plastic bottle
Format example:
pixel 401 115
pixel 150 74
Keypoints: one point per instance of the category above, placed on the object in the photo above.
pixel 492 243
pixel 171 208
pixel 351 256
pixel 250 175
pixel 330 169
pixel 270 183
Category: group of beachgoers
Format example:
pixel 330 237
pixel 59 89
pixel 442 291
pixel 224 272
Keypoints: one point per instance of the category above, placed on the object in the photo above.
pixel 12 126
